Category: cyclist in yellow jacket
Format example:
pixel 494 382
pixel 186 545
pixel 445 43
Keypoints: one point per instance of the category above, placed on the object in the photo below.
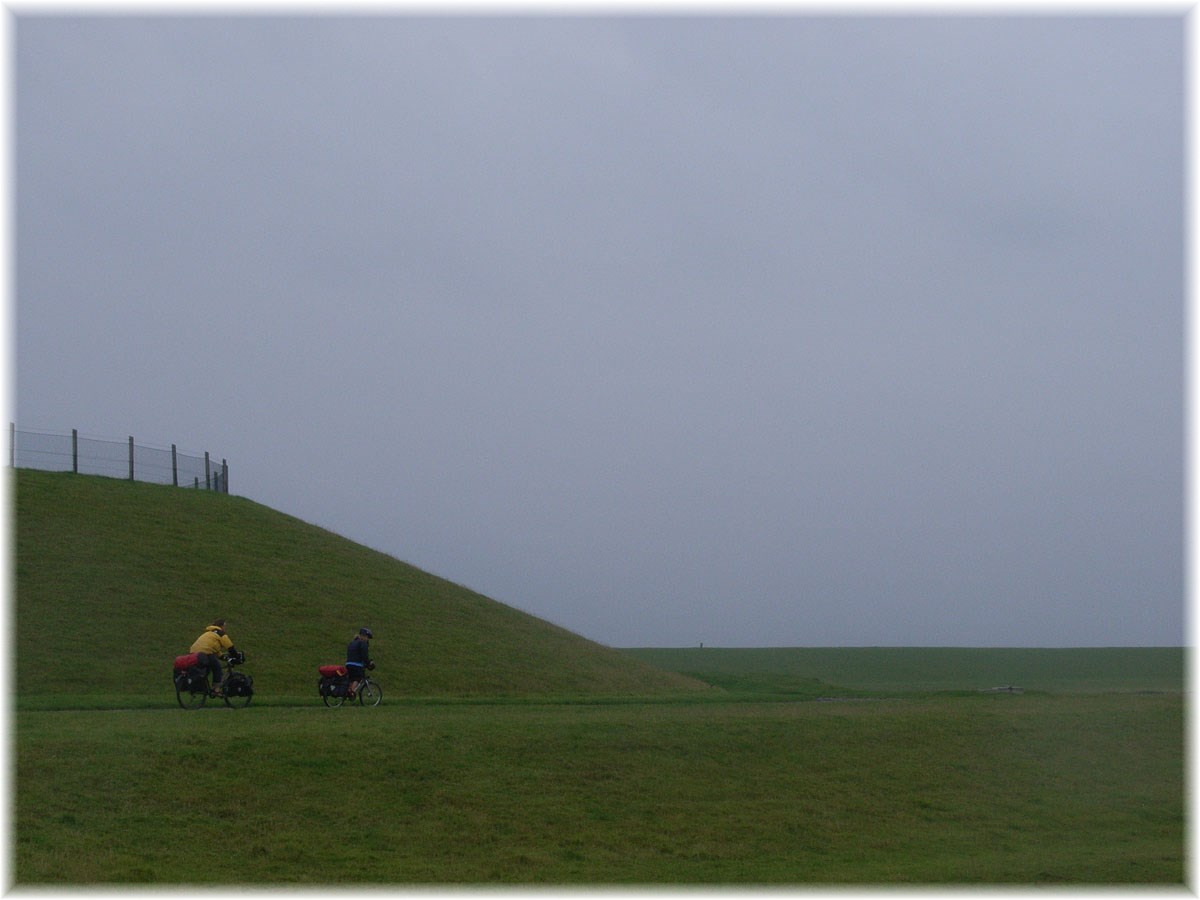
pixel 210 646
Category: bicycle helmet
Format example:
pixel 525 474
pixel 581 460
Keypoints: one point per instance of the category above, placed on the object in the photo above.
pixel 366 632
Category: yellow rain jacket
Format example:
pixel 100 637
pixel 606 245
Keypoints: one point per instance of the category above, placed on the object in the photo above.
pixel 214 641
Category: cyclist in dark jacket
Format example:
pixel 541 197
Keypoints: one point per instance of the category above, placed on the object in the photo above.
pixel 358 657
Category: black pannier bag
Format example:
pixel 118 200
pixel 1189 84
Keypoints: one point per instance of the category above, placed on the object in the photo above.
pixel 189 672
pixel 334 681
pixel 191 679
pixel 333 687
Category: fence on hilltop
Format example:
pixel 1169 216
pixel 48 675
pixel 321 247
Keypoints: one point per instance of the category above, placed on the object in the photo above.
pixel 61 452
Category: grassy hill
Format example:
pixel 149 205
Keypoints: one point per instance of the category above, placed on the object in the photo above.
pixel 113 579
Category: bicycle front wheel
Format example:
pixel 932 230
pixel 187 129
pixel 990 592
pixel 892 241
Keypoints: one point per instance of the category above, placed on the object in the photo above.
pixel 238 691
pixel 370 694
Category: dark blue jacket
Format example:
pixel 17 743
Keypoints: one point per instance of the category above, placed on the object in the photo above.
pixel 358 653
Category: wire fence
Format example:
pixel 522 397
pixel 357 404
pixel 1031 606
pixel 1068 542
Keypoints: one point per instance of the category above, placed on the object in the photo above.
pixel 61 452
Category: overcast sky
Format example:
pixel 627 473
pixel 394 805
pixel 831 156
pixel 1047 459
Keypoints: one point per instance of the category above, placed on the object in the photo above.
pixel 776 330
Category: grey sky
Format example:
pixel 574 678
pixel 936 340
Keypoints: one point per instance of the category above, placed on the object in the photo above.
pixel 778 330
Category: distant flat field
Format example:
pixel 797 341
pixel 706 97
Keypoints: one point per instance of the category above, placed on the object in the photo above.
pixel 909 669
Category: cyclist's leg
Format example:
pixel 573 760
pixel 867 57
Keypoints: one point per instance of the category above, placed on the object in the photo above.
pixel 355 674
pixel 214 671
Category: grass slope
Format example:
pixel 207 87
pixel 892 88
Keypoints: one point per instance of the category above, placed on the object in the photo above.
pixel 116 578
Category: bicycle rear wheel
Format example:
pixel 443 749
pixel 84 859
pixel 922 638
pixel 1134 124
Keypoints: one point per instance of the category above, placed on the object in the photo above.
pixel 188 698
pixel 336 695
pixel 370 694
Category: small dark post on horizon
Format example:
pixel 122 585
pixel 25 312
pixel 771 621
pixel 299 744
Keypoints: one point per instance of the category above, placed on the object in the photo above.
pixel 131 457
pixel 174 467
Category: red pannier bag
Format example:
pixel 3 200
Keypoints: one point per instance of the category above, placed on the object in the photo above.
pixel 187 662
pixel 331 671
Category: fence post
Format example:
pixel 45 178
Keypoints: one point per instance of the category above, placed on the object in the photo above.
pixel 75 450
pixel 224 476
pixel 174 468
pixel 131 457
pixel 207 476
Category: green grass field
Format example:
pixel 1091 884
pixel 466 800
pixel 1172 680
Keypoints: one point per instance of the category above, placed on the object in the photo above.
pixel 510 752
pixel 979 790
